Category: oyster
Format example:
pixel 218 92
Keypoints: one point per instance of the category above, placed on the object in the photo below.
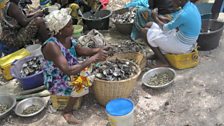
pixel 115 70
pixel 159 79
pixel 31 109
pixel 127 17
pixel 32 66
pixel 3 108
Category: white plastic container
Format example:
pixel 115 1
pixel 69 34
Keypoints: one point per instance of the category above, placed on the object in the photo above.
pixel 120 112
pixel 35 50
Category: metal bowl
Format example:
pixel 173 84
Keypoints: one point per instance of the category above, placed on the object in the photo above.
pixel 155 71
pixel 24 104
pixel 8 100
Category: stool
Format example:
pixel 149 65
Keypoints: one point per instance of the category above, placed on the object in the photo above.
pixel 183 61
pixel 60 102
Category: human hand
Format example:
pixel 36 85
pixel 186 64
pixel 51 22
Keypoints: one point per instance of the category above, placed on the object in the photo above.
pixel 165 18
pixel 101 55
pixel 144 30
pixel 109 50
pixel 155 13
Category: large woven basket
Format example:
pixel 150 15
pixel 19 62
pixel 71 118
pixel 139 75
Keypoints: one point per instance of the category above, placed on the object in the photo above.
pixel 136 57
pixel 105 91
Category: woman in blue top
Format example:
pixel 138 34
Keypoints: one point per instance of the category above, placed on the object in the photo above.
pixel 60 53
pixel 176 36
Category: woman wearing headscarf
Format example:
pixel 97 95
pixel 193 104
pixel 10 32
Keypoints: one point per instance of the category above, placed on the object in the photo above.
pixel 18 29
pixel 177 36
pixel 60 53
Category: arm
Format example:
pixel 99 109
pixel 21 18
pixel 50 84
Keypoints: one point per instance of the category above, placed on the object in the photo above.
pixel 81 51
pixel 52 52
pixel 156 18
pixel 16 12
pixel 175 23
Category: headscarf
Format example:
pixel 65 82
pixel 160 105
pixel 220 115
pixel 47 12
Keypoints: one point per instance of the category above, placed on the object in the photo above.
pixel 3 3
pixel 58 19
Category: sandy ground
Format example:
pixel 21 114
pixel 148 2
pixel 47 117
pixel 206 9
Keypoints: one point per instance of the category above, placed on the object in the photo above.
pixel 195 99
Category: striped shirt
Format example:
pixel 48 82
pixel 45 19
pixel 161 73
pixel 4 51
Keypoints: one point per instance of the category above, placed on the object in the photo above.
pixel 188 21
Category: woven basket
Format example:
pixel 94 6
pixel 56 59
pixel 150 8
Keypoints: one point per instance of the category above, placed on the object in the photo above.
pixel 105 91
pixel 136 57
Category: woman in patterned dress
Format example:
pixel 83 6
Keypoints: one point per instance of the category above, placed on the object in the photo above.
pixel 60 53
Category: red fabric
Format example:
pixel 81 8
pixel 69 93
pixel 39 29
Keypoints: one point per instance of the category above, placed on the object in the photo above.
pixel 104 3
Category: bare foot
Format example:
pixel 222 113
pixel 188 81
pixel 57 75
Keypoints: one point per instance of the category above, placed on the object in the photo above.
pixel 71 119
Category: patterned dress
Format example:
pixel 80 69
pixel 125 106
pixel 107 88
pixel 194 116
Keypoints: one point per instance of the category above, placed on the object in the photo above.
pixel 55 80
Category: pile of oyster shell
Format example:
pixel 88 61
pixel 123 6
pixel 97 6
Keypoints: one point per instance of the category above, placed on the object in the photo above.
pixel 3 108
pixel 159 79
pixel 31 109
pixel 127 17
pixel 32 66
pixel 115 70
pixel 127 46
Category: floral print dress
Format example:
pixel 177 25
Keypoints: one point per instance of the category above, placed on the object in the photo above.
pixel 55 80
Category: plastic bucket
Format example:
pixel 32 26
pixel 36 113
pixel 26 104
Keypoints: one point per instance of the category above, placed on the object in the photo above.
pixel 35 49
pixel 77 30
pixel 120 112
pixel 28 82
pixel 210 35
pixel 101 22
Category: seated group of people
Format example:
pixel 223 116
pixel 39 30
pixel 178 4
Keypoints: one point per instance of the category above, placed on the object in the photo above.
pixel 175 33
pixel 170 26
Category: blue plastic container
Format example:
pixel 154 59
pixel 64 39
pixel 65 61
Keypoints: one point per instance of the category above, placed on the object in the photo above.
pixel 28 82
pixel 120 112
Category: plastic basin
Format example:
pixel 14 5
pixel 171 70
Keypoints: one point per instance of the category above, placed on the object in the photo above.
pixel 100 22
pixel 35 49
pixel 124 28
pixel 209 37
pixel 28 82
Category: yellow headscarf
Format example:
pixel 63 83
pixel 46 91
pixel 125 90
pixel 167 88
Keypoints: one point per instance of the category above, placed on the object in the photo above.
pixel 3 3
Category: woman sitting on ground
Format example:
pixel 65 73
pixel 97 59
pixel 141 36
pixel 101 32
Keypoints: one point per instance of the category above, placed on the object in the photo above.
pixel 61 52
pixel 18 29
pixel 177 36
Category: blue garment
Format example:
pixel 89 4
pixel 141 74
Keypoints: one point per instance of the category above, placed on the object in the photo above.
pixel 137 3
pixel 222 8
pixel 143 16
pixel 188 21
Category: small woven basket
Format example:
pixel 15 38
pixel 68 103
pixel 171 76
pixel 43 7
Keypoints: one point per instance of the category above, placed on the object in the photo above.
pixel 105 91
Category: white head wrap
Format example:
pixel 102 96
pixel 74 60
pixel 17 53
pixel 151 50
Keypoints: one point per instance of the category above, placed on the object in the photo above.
pixel 58 19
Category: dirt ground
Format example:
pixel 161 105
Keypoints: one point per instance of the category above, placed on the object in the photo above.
pixel 195 99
